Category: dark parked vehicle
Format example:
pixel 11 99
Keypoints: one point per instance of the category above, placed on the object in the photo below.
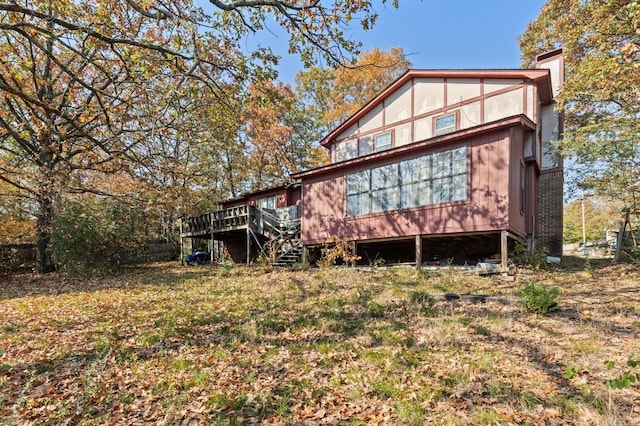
pixel 198 257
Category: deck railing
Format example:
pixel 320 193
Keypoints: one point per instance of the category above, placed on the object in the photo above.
pixel 240 217
pixel 237 217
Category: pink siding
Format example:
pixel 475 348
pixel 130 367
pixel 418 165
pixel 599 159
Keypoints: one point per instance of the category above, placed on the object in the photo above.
pixel 280 194
pixel 516 217
pixel 486 209
pixel 285 196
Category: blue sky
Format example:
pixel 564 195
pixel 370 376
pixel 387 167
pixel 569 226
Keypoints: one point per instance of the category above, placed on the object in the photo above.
pixel 437 34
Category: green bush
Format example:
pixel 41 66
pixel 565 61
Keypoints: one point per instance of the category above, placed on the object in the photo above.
pixel 539 298
pixel 521 256
pixel 96 236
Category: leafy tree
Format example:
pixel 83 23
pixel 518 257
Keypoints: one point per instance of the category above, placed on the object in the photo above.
pixel 16 225
pixel 277 138
pixel 333 95
pixel 601 95
pixel 102 87
pixel 599 215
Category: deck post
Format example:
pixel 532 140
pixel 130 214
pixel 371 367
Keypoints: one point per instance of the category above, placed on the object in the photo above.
pixel 504 250
pixel 418 251
pixel 305 256
pixel 248 245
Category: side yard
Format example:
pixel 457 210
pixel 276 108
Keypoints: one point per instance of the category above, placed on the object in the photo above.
pixel 170 345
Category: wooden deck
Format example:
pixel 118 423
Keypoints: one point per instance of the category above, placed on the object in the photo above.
pixel 212 223
pixel 275 233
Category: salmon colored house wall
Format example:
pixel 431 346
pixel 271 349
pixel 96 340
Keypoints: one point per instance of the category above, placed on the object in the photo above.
pixel 493 161
pixel 285 196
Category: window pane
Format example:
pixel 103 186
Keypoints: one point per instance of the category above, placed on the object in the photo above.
pixel 408 170
pixel 441 164
pixel 415 170
pixel 267 202
pixel 358 182
pixel 384 177
pixel 459 188
pixel 424 193
pixel 441 190
pixel 393 199
pixel 459 160
pixel 409 196
pixel 352 205
pixel 366 145
pixel 358 204
pixel 445 124
pixel 384 200
pixel 383 141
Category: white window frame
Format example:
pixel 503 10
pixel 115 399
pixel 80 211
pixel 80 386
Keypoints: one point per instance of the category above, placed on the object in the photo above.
pixel 385 147
pixel 448 129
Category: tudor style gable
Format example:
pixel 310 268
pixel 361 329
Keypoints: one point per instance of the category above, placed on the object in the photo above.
pixel 423 104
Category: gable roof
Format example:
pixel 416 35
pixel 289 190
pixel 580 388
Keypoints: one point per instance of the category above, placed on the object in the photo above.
pixel 541 77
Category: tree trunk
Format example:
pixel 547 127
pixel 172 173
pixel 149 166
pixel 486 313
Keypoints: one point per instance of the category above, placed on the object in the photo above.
pixel 44 221
pixel 43 235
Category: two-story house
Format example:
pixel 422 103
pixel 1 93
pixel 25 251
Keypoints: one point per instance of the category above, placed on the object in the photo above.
pixel 443 164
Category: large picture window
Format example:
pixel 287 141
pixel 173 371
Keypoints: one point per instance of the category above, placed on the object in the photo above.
pixel 430 179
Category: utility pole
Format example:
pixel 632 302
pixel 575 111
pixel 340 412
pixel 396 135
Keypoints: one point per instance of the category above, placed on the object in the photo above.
pixel 584 227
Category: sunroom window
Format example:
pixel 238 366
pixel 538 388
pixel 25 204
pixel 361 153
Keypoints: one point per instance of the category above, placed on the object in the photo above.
pixel 430 179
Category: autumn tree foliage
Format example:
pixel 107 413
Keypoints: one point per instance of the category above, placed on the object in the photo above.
pixel 16 225
pixel 277 137
pixel 600 215
pixel 100 88
pixel 601 95
pixel 334 94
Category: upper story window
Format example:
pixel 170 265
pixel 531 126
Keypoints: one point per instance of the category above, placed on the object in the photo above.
pixel 383 141
pixel 267 202
pixel 446 124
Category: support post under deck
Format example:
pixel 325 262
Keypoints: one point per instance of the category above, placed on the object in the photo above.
pixel 248 245
pixel 504 250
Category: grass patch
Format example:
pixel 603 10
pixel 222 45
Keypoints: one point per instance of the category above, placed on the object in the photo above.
pixel 234 345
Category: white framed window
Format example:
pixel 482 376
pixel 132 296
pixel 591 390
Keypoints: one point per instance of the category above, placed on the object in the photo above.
pixel 445 124
pixel 383 141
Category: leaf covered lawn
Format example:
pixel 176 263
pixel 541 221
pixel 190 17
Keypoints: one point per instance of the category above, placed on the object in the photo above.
pixel 170 345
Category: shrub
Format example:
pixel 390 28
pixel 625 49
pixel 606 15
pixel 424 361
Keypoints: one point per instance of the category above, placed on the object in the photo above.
pixel 96 235
pixel 520 255
pixel 539 298
pixel 338 250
